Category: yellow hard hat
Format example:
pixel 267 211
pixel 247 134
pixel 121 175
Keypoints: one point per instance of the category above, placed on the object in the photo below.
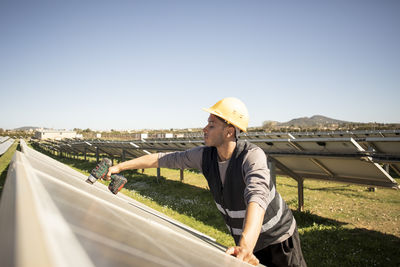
pixel 233 111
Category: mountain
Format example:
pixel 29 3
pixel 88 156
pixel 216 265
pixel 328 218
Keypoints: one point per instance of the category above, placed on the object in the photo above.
pixel 316 120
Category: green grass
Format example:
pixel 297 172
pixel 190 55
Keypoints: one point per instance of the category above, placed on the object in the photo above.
pixel 5 162
pixel 343 225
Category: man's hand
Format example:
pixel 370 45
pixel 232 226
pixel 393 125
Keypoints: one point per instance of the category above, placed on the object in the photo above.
pixel 243 254
pixel 112 170
pixel 251 231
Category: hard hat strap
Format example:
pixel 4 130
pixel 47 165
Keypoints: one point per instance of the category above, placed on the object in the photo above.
pixel 237 132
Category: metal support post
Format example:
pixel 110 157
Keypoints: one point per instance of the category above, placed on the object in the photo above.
pixel 123 156
pixel 386 167
pixel 272 171
pixel 181 175
pixel 300 191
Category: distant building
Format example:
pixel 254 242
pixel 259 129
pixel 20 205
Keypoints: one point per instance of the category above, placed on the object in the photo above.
pixel 169 135
pixel 54 134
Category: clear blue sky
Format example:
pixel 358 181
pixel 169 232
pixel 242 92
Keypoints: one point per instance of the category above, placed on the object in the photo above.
pixel 154 64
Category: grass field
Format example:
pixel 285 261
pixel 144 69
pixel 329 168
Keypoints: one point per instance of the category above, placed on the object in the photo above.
pixel 343 225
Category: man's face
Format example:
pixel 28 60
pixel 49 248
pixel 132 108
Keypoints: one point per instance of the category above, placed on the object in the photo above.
pixel 214 131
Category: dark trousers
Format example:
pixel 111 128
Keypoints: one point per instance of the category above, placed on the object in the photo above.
pixel 287 253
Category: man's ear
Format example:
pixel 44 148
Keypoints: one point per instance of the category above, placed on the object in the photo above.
pixel 231 131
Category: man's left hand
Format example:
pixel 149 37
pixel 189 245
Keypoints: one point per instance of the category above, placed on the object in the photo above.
pixel 243 254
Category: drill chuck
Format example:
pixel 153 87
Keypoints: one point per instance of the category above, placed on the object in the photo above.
pixel 91 179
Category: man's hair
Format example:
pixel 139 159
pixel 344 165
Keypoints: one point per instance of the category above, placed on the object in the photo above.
pixel 223 120
pixel 237 130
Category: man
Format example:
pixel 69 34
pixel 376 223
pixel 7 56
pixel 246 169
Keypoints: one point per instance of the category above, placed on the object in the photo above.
pixel 237 173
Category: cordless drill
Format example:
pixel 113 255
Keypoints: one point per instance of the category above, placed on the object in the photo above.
pixel 100 171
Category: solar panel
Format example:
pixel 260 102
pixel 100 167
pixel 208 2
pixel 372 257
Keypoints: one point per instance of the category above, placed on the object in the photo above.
pixel 338 159
pixel 77 224
pixel 4 146
pixel 385 150
pixel 350 170
pixel 385 145
pixel 3 138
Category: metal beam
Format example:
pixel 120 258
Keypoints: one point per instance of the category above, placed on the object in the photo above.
pixel 395 169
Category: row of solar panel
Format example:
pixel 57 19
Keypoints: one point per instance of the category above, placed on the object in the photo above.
pixel 371 146
pixel 340 159
pixel 5 143
pixel 327 134
pixel 295 135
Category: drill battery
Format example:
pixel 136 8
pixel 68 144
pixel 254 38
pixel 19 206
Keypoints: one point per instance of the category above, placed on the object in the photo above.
pixel 117 182
pixel 100 171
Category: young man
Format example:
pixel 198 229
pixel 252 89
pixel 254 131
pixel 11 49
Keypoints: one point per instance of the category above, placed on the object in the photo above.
pixel 237 173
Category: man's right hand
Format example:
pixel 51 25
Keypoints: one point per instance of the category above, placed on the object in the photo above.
pixel 112 170
pixel 143 162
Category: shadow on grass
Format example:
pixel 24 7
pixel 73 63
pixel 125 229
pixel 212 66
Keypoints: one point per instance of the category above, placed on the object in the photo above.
pixel 306 219
pixel 339 246
pixel 325 242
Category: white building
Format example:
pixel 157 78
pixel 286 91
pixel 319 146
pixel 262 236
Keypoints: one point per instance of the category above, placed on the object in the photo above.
pixel 169 135
pixel 54 134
